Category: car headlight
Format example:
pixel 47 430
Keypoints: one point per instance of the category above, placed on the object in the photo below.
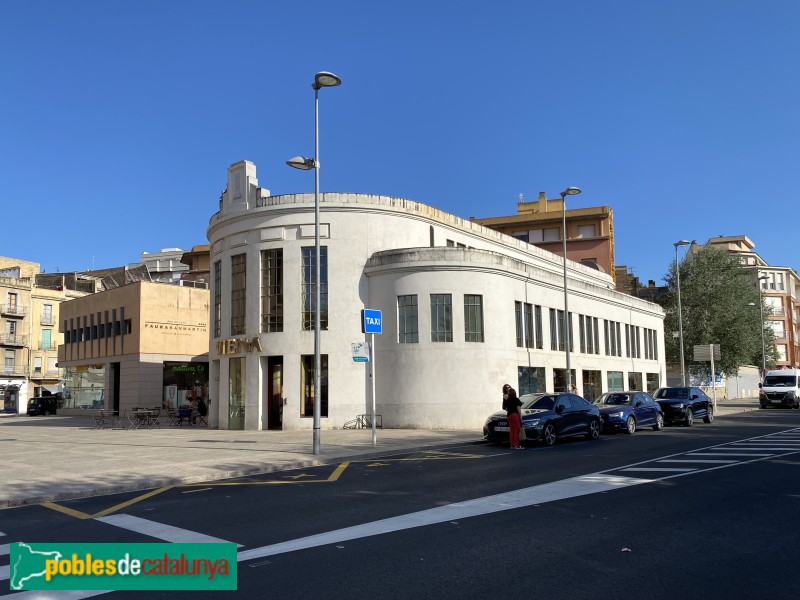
pixel 532 423
pixel 790 395
pixel 615 414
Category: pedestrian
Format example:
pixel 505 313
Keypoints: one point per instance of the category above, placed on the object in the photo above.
pixel 195 408
pixel 506 387
pixel 573 388
pixel 514 415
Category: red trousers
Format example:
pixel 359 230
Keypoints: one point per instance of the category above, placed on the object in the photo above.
pixel 514 423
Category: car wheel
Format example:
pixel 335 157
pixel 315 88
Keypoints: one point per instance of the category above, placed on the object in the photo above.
pixel 689 418
pixel 630 425
pixel 594 430
pixel 659 422
pixel 709 416
pixel 549 434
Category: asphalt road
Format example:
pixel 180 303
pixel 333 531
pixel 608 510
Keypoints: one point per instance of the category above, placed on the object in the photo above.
pixel 710 511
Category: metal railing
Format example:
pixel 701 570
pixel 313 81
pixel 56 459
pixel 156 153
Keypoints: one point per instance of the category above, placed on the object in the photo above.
pixel 15 310
pixel 13 340
pixel 48 320
pixel 13 370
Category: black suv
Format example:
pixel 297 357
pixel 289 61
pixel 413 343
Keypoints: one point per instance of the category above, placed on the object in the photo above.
pixel 684 405
pixel 44 405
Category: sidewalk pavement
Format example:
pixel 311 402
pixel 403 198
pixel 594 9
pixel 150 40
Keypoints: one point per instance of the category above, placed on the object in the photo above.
pixel 58 458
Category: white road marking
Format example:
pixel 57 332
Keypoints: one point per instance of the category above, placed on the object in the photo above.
pixel 539 494
pixel 726 453
pixel 168 533
pixel 5 572
pixel 5 549
pixel 664 470
pixel 702 461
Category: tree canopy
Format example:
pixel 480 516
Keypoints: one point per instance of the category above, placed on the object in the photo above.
pixel 720 305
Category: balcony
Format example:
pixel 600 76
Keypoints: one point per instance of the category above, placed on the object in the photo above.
pixel 19 341
pixel 48 320
pixel 13 310
pixel 48 346
pixel 13 371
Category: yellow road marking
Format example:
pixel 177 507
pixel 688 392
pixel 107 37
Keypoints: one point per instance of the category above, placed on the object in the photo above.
pixel 337 472
pixel 193 491
pixel 67 511
pixel 300 478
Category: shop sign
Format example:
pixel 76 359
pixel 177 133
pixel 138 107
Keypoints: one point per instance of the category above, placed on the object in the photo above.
pixel 239 345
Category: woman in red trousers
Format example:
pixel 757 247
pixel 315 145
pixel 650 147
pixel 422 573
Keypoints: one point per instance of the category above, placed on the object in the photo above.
pixel 514 414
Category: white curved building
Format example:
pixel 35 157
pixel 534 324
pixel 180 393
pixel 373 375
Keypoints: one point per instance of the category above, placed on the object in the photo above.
pixel 464 310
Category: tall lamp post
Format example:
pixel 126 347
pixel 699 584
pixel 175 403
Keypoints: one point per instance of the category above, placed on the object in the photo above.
pixel 680 311
pixel 570 191
pixel 321 79
pixel 761 324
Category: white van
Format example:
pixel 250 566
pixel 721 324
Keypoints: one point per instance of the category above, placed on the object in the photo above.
pixel 781 388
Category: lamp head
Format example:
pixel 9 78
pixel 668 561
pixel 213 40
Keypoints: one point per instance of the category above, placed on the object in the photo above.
pixel 570 191
pixel 301 162
pixel 763 277
pixel 681 243
pixel 325 79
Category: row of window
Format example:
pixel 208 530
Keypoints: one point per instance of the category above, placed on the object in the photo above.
pixel 87 327
pixel 529 331
pixel 272 291
pixel 590 385
pixel 553 234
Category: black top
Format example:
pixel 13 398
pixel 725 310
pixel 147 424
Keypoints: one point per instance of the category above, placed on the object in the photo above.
pixel 511 404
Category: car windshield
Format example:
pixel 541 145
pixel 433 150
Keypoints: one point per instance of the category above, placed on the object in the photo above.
pixel 613 399
pixel 679 393
pixel 780 380
pixel 545 402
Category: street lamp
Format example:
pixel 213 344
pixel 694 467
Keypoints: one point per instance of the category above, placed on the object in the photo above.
pixel 321 79
pixel 761 323
pixel 570 191
pixel 680 312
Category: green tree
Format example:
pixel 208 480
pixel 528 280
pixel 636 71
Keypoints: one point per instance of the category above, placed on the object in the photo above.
pixel 719 300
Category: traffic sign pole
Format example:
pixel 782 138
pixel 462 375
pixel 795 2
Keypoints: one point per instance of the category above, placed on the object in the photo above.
pixel 372 377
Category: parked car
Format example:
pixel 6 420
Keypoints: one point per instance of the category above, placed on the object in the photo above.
pixel 780 389
pixel 684 405
pixel 44 405
pixel 547 417
pixel 627 411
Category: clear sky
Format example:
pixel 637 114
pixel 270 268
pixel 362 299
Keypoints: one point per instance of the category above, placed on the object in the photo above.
pixel 118 119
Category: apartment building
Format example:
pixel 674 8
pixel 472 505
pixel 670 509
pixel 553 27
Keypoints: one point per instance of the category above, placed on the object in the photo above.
pixel 780 288
pixel 590 230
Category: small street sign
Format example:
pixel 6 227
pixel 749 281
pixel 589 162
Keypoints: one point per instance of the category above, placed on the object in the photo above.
pixel 371 321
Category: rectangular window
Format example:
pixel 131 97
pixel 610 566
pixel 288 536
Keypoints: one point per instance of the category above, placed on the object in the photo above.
pixel 551 235
pixel 238 293
pixel 528 309
pixel 586 231
pixel 51 365
pixel 521 235
pixel 47 339
pixel 652 382
pixel 307 385
pixel 538 314
pixel 309 288
pixel 613 338
pixel 556 329
pixel 37 364
pixel 635 381
pixel 650 344
pixel 47 314
pixel 272 290
pixel 530 380
pixel 615 381
pixel 518 322
pixel 473 318
pixel 407 319
pixel 441 318
pixel 632 342
pixel 236 393
pixel 589 336
pixel 217 299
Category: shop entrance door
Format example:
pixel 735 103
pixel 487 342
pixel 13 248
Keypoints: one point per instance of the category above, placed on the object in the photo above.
pixel 275 392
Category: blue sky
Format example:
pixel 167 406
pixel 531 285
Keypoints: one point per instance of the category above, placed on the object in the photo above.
pixel 119 119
